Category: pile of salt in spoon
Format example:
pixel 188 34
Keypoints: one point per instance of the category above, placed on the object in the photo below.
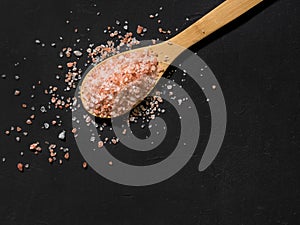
pixel 130 74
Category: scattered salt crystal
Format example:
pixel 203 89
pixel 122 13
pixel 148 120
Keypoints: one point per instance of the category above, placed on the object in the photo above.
pixel 77 53
pixel 92 139
pixel 179 101
pixel 169 87
pixel 46 126
pixel 62 135
pixel 43 109
pixel 17 93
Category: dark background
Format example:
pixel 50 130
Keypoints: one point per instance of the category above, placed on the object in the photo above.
pixel 254 179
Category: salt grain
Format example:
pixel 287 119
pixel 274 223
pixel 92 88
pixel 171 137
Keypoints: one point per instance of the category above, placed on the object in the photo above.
pixel 46 126
pixel 20 167
pixel 43 109
pixel 62 135
pixel 17 93
pixel 77 53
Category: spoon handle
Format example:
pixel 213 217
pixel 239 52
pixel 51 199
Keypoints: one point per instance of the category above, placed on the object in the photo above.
pixel 215 19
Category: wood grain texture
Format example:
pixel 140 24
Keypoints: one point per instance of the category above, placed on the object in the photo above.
pixel 214 20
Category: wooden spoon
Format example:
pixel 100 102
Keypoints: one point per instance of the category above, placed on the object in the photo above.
pixel 215 19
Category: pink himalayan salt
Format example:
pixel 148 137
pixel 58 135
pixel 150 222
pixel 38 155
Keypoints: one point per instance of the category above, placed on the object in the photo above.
pixel 115 86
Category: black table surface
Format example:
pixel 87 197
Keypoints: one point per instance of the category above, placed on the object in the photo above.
pixel 255 177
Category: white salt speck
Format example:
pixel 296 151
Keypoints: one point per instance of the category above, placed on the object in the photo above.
pixel 92 139
pixel 46 125
pixel 43 109
pixel 179 101
pixel 62 135
pixel 77 53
